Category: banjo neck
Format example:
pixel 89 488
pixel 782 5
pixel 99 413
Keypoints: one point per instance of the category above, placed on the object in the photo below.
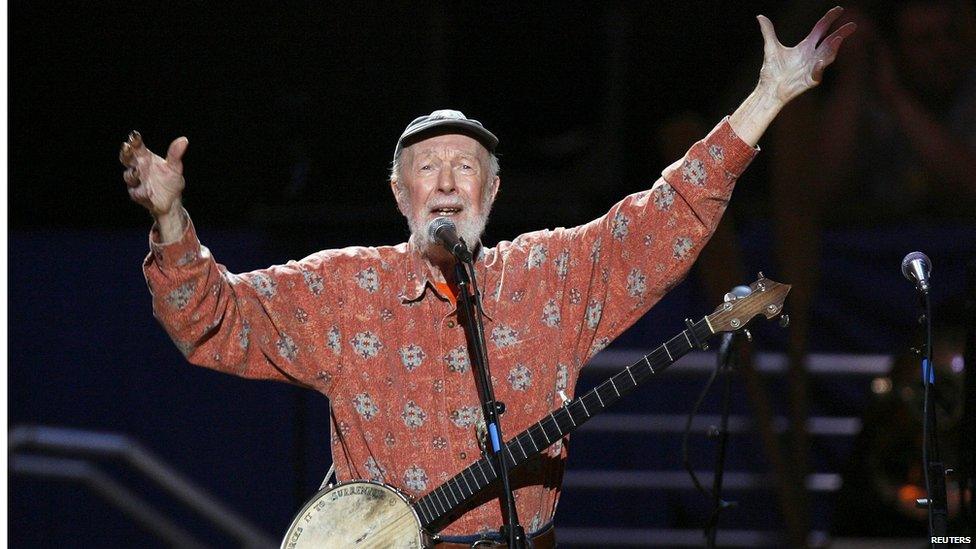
pixel 440 506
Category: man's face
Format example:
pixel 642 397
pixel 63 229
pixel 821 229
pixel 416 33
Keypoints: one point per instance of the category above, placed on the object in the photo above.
pixel 445 176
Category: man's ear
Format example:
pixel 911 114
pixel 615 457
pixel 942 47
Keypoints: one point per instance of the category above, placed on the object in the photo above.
pixel 494 187
pixel 398 195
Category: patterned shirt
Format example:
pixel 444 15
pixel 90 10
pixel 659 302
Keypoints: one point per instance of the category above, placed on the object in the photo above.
pixel 368 327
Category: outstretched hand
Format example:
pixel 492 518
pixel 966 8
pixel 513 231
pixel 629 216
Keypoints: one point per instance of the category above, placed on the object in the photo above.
pixel 788 72
pixel 154 182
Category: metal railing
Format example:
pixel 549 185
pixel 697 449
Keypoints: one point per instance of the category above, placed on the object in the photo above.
pixel 25 441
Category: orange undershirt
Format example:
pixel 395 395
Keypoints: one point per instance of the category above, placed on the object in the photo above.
pixel 447 290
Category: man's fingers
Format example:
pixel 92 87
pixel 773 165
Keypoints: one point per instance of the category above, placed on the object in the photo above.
pixel 131 178
pixel 831 45
pixel 769 34
pixel 832 42
pixel 831 53
pixel 174 156
pixel 821 27
pixel 818 68
pixel 126 155
pixel 139 149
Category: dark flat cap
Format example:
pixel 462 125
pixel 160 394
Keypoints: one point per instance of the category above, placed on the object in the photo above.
pixel 441 122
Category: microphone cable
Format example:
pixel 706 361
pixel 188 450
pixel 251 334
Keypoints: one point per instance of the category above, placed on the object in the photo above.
pixel 685 461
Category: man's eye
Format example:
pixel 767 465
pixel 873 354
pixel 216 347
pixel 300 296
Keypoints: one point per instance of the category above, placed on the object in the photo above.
pixel 427 167
pixel 466 166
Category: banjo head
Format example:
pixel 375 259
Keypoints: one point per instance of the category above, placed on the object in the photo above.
pixel 357 514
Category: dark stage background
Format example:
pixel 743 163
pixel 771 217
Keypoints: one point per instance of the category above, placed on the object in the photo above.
pixel 292 112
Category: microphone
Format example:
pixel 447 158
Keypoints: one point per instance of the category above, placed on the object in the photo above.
pixel 443 231
pixel 917 268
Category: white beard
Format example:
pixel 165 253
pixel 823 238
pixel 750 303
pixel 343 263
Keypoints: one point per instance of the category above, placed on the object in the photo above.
pixel 468 228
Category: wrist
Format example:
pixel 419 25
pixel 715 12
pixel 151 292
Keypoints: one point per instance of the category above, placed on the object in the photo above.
pixel 754 115
pixel 171 224
pixel 766 97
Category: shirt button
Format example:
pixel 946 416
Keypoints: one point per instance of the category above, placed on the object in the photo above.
pixel 463 455
pixel 451 324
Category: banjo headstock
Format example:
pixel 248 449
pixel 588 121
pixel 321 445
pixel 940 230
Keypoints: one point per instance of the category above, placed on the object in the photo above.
pixel 766 299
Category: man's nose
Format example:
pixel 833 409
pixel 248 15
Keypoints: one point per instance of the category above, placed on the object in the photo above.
pixel 445 181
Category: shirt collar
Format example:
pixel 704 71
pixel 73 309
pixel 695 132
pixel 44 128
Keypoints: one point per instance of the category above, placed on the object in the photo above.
pixel 417 271
pixel 419 275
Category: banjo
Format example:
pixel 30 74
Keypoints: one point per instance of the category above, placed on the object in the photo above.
pixel 365 514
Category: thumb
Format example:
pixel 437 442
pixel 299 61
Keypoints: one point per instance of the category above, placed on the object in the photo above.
pixel 174 156
pixel 769 34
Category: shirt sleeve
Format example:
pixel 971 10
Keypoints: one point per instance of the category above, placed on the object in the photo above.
pixel 611 271
pixel 277 323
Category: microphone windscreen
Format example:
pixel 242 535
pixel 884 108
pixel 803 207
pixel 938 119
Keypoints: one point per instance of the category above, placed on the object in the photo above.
pixel 438 224
pixel 906 264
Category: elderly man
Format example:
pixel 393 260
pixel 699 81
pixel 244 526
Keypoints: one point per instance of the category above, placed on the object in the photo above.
pixel 377 330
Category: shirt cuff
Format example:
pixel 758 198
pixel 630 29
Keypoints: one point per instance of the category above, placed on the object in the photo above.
pixel 179 252
pixel 728 149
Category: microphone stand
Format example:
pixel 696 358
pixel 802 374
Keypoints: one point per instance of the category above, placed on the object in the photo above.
pixel 967 442
pixel 935 485
pixel 470 299
pixel 727 362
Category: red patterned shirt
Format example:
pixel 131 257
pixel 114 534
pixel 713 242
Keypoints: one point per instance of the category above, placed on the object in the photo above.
pixel 368 327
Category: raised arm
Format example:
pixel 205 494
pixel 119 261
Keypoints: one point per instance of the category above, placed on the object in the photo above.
pixel 787 72
pixel 253 324
pixel 157 183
